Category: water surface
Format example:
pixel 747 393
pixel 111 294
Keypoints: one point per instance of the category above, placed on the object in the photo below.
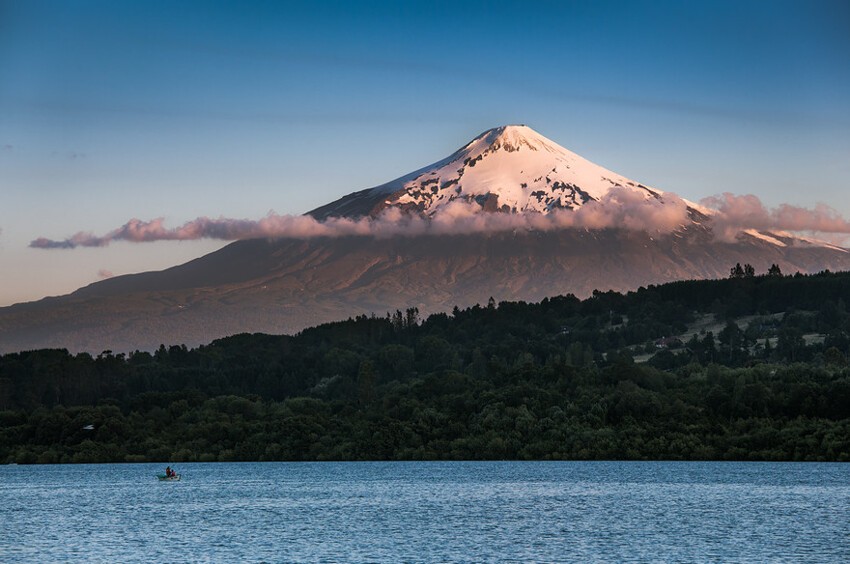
pixel 428 512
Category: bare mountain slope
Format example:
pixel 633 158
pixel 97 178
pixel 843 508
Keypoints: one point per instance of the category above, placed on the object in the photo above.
pixel 298 283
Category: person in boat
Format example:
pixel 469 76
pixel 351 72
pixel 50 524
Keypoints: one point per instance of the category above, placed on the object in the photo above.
pixel 168 472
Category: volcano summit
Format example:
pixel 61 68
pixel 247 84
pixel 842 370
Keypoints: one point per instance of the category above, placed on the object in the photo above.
pixel 509 169
pixel 510 215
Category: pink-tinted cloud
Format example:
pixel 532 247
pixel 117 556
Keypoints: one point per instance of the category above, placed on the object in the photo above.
pixel 103 273
pixel 735 213
pixel 620 209
pixel 271 226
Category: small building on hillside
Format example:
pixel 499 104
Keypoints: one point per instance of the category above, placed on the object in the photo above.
pixel 669 343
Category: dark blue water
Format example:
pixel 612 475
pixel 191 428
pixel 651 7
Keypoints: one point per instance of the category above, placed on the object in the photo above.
pixel 427 512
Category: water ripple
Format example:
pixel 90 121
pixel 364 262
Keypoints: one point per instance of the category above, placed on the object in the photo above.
pixel 428 512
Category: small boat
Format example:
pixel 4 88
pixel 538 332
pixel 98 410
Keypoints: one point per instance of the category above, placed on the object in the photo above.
pixel 164 478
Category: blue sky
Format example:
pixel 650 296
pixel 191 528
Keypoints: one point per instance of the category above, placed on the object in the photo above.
pixel 115 110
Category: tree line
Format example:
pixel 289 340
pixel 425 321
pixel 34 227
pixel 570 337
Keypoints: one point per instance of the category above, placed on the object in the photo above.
pixel 511 380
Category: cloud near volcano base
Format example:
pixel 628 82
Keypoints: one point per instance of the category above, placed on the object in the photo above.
pixel 735 213
pixel 620 209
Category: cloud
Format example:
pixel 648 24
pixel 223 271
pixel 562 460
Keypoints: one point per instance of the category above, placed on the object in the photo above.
pixel 271 226
pixel 621 208
pixel 735 213
pixel 103 273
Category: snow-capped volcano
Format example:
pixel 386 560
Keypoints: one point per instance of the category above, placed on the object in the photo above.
pixel 524 219
pixel 510 169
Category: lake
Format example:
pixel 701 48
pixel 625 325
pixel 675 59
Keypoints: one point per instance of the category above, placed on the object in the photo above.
pixel 427 512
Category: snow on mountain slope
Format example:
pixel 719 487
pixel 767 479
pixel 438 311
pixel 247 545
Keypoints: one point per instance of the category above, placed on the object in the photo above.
pixel 509 169
pixel 764 237
pixel 784 239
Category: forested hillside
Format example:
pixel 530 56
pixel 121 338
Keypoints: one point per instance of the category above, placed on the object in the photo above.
pixel 752 368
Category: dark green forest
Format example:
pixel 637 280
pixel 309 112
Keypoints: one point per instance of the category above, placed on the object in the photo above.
pixel 747 368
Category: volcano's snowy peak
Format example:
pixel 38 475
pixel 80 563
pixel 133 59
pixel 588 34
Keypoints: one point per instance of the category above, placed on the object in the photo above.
pixel 510 168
